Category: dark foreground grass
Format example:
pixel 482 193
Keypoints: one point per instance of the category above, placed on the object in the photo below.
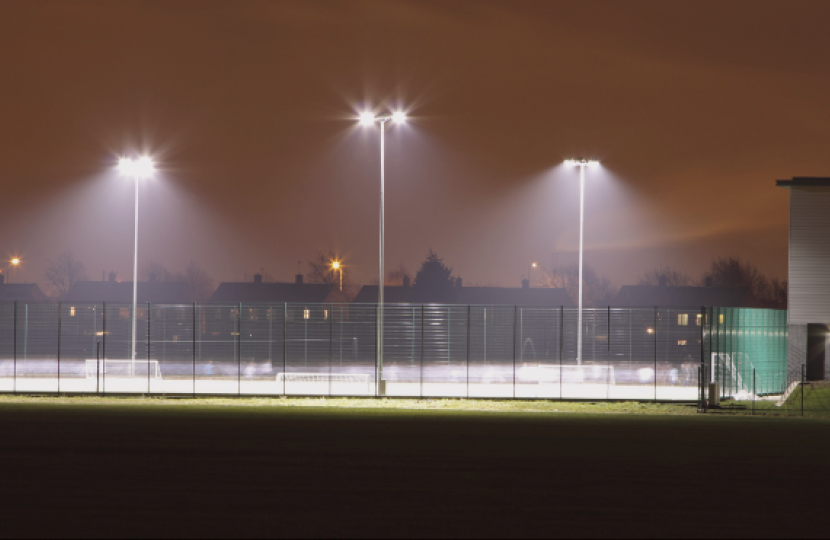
pixel 115 468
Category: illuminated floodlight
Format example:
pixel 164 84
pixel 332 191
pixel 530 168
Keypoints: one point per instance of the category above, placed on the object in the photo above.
pixel 399 117
pixel 582 162
pixel 138 169
pixel 367 118
pixel 15 261
pixel 335 265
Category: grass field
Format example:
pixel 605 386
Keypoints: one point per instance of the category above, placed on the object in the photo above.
pixel 294 467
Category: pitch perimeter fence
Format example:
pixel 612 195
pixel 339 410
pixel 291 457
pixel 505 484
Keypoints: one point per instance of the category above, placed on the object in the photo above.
pixel 330 350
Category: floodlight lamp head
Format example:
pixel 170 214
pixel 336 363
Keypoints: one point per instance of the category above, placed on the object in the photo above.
pixel 335 265
pixel 138 169
pixel 366 118
pixel 399 117
pixel 582 162
pixel 15 261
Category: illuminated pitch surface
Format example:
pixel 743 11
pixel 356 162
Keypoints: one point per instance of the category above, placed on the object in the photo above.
pixel 162 470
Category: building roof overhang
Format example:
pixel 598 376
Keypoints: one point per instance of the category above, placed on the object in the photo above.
pixel 804 181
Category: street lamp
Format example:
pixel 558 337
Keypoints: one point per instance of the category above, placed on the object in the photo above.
pixel 14 262
pixel 582 163
pixel 369 119
pixel 139 169
pixel 529 268
pixel 336 266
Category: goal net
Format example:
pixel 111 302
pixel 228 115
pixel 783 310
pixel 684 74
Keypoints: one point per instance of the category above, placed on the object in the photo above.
pixel 122 368
pixel 584 374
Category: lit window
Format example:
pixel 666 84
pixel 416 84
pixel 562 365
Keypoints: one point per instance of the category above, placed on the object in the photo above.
pixel 698 319
pixel 681 341
pixel 325 314
pixel 306 313
pixel 683 319
pixel 720 318
pixel 72 311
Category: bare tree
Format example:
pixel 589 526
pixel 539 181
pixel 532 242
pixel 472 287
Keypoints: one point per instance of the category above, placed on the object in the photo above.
pixel 396 276
pixel 597 290
pixel 733 272
pixel 63 272
pixel 155 271
pixel 322 271
pixel 199 283
pixel 666 276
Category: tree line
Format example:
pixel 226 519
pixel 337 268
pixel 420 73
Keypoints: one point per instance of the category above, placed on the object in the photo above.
pixel 434 275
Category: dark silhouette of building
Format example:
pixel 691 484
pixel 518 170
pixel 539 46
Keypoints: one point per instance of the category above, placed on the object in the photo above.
pixel 118 292
pixel 297 292
pixel 26 293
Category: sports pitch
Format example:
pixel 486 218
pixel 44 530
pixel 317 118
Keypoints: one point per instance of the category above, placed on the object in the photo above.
pixel 270 467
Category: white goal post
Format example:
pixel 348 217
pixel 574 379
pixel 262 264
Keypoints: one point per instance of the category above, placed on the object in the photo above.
pixel 596 374
pixel 122 368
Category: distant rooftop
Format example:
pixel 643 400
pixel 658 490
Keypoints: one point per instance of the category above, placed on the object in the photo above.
pixel 155 292
pixel 804 181
pixel 317 293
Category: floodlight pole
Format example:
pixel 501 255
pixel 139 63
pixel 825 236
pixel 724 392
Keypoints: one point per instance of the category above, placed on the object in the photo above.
pixel 581 221
pixel 135 270
pixel 379 348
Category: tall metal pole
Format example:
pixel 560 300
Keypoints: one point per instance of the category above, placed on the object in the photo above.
pixel 579 315
pixel 135 270
pixel 379 347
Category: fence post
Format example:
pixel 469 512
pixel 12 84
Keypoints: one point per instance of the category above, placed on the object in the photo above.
pixel 193 371
pixel 14 341
pixel 239 352
pixel 803 378
pixel 655 353
pixel 753 391
pixel 59 346
pixel 421 374
pixel 149 388
pixel 469 312
pixel 97 365
pixel 515 321
pixel 331 336
pixel 561 344
pixel 104 348
pixel 608 356
pixel 284 343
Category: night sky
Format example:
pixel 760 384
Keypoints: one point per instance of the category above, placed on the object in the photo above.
pixel 695 108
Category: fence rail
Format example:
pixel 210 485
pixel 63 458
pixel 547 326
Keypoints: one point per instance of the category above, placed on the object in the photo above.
pixel 330 349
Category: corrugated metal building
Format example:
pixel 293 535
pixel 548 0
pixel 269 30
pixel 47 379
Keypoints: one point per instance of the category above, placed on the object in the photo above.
pixel 808 316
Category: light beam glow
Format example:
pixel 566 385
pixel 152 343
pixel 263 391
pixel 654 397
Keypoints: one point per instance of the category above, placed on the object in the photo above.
pixel 367 118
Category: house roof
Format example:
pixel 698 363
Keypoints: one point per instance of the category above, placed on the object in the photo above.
pixel 277 292
pixel 804 181
pixel 467 295
pixel 654 295
pixel 155 292
pixel 28 293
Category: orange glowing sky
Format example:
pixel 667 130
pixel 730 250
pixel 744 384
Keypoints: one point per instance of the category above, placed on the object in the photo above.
pixel 695 109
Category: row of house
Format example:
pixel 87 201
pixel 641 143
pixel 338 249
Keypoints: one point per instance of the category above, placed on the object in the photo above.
pixel 156 292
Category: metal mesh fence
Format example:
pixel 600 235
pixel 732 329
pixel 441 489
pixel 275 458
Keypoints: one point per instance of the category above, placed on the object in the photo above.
pixel 745 351
pixel 331 350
